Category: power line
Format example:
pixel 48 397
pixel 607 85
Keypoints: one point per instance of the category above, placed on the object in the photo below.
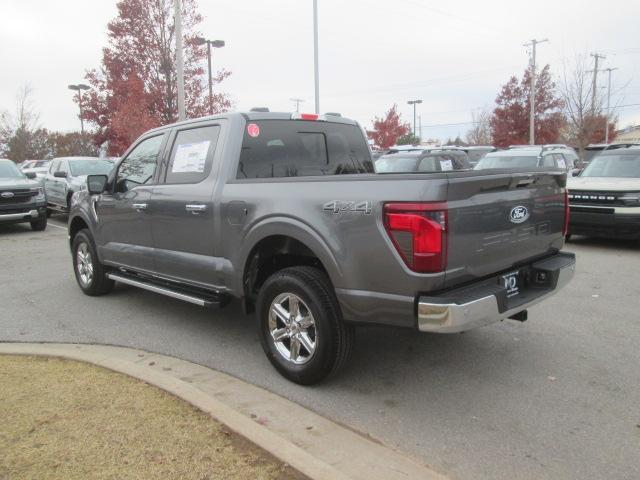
pixel 457 124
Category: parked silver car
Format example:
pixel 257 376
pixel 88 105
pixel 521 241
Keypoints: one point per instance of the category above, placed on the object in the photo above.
pixel 68 175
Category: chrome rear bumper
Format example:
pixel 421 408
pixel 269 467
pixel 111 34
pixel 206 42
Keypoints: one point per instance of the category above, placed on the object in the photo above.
pixel 452 317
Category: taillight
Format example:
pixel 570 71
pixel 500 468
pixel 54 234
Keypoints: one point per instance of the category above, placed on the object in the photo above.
pixel 419 233
pixel 565 228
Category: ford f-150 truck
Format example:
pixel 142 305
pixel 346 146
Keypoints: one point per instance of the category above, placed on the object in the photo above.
pixel 285 213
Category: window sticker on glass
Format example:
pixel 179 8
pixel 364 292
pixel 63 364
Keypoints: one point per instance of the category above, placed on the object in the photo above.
pixel 446 165
pixel 561 163
pixel 190 157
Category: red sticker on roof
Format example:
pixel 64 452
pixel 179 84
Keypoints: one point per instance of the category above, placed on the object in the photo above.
pixel 253 130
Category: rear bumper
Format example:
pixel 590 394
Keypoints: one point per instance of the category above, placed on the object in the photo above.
pixel 486 302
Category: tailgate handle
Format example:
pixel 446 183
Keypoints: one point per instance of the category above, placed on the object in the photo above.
pixel 525 181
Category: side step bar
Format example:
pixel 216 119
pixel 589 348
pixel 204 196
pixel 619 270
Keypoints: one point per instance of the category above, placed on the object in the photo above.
pixel 204 300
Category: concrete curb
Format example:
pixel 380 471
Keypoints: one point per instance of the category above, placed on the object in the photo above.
pixel 315 446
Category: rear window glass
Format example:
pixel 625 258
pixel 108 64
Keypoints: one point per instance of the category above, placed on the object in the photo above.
pixel 286 148
pixel 507 161
pixel 433 162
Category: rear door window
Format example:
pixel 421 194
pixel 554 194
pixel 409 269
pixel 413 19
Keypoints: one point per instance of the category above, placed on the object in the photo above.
pixel 292 148
pixel 192 154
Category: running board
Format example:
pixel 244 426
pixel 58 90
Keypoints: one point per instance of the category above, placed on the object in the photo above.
pixel 210 300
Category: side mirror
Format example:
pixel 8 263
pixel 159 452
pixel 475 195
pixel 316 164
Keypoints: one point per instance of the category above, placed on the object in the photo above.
pixel 30 175
pixel 96 184
pixel 60 174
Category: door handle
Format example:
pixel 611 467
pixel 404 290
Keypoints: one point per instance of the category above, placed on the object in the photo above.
pixel 140 206
pixel 195 208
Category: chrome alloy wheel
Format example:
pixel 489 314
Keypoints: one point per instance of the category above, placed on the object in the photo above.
pixel 84 264
pixel 292 328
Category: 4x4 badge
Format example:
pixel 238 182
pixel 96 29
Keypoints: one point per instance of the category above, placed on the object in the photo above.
pixel 339 206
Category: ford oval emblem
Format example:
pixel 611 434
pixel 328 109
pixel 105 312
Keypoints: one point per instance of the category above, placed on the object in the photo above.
pixel 7 195
pixel 519 214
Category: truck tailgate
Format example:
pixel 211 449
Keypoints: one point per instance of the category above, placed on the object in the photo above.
pixel 498 221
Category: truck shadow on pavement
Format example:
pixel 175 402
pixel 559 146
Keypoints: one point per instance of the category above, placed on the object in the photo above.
pixel 599 242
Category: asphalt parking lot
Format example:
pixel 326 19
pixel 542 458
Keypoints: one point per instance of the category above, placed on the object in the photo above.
pixel 555 397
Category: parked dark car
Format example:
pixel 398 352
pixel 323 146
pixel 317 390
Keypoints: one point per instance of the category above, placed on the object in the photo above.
pixel 22 199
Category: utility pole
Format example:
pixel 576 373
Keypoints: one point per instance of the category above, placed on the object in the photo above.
pixel 608 116
pixel 297 101
pixel 594 87
pixel 420 126
pixel 532 87
pixel 315 55
pixel 414 103
pixel 179 58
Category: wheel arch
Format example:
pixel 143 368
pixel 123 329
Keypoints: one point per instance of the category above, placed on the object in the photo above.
pixel 76 224
pixel 280 244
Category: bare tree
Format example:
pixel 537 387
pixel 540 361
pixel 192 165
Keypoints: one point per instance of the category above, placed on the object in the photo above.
pixel 17 128
pixel 585 124
pixel 480 133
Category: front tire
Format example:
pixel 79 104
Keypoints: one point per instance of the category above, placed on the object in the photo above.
pixel 39 225
pixel 301 326
pixel 90 273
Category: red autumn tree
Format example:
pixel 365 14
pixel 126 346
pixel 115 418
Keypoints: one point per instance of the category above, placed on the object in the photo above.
pixel 510 119
pixel 386 131
pixel 136 88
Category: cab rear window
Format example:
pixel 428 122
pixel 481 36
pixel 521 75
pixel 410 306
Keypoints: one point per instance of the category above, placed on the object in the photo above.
pixel 294 148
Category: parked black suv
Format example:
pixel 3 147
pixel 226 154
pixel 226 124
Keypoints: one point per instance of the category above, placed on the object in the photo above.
pixel 21 198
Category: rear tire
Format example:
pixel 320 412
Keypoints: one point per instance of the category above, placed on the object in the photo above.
pixel 301 326
pixel 39 225
pixel 90 274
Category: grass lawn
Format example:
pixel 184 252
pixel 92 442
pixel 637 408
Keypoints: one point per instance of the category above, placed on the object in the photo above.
pixel 71 420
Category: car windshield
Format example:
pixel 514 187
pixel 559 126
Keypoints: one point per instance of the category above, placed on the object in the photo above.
pixel 10 170
pixel 613 166
pixel 90 167
pixel 396 164
pixel 589 154
pixel 507 161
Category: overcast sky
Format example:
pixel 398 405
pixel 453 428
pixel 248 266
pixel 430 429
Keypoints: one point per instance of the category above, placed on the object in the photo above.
pixel 373 53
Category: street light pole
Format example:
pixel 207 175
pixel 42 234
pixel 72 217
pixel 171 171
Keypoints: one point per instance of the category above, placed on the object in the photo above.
pixel 179 58
pixel 414 103
pixel 79 87
pixel 315 55
pixel 209 77
pixel 210 44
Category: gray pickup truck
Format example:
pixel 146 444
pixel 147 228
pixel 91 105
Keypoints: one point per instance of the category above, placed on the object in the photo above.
pixel 285 213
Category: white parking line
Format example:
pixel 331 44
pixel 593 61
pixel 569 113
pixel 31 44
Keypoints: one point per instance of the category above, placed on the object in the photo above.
pixel 57 226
